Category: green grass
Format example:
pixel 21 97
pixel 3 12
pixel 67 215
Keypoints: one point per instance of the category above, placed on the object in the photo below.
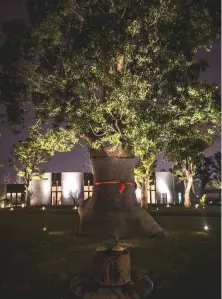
pixel 184 265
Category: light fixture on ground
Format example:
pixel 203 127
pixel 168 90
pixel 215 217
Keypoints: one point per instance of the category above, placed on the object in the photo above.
pixel 44 229
pixel 206 228
pixel 11 209
pixel 23 205
pixel 196 206
pixel 157 209
pixel 168 206
pixel 43 208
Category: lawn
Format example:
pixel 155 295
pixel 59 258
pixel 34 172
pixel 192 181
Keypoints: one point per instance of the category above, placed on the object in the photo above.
pixel 39 264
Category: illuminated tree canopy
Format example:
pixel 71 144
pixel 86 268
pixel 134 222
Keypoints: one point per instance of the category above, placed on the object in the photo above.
pixel 128 69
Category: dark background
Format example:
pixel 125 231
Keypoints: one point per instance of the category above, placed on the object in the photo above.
pixel 75 160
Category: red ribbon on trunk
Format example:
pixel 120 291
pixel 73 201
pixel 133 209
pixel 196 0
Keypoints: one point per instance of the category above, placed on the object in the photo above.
pixel 122 185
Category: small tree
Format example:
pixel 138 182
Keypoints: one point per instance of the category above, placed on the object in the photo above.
pixel 144 172
pixel 76 197
pixel 185 149
pixel 29 155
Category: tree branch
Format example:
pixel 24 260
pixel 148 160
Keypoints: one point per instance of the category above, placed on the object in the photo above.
pixel 96 134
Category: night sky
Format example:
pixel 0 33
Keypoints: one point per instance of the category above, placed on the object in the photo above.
pixel 74 160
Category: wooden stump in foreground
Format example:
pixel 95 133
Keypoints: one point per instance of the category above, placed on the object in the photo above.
pixel 111 278
pixel 111 268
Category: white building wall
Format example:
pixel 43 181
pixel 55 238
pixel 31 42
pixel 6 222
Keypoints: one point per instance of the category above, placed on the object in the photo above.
pixel 164 185
pixel 42 190
pixel 72 188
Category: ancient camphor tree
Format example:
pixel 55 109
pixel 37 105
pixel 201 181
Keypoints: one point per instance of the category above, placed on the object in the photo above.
pixel 120 73
pixel 30 155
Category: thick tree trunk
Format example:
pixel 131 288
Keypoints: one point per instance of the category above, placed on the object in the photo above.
pixel 108 213
pixel 144 197
pixel 187 202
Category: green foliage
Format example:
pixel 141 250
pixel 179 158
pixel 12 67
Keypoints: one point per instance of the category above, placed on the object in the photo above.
pixel 145 168
pixel 29 154
pixel 203 200
pixel 214 184
pixel 116 71
pixel 186 147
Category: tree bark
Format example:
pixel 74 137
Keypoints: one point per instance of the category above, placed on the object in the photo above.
pixel 144 197
pixel 28 194
pixel 111 214
pixel 27 199
pixel 187 202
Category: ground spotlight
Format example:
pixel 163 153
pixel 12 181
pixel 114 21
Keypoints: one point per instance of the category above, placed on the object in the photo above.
pixel 206 228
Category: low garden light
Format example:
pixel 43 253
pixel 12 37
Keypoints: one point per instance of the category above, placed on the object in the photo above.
pixel 11 209
pixel 157 209
pixel 2 205
pixel 23 205
pixel 168 206
pixel 196 206
pixel 44 229
pixel 75 208
pixel 43 208
pixel 206 228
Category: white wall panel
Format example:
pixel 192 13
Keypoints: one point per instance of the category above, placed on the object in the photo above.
pixel 72 187
pixel 42 190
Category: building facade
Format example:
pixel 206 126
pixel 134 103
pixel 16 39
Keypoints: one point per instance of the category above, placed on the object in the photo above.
pixel 70 188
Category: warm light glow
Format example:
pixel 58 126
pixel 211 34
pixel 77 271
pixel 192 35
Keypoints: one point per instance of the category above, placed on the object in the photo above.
pixel 42 190
pixel 11 209
pixel 138 195
pixel 157 209
pixel 43 208
pixel 206 227
pixel 44 229
pixel 23 205
pixel 2 205
pixel 75 208
pixel 72 187
pixel 196 206
pixel 163 182
pixel 168 206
